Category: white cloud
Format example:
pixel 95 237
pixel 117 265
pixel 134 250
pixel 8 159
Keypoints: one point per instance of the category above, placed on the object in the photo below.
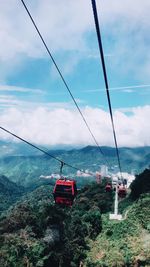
pixel 136 11
pixel 29 106
pixel 20 89
pixel 65 25
pixel 62 23
pixel 64 126
pixel 128 89
pixel 125 26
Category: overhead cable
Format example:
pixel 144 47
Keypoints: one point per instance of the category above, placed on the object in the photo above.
pixel 105 77
pixel 42 150
pixel 65 83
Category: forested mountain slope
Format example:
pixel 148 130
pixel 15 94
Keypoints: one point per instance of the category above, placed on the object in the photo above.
pixel 9 193
pixel 27 169
pixel 36 232
pixel 127 242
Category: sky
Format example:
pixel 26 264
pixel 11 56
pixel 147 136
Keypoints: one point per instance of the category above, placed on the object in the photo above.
pixel 34 102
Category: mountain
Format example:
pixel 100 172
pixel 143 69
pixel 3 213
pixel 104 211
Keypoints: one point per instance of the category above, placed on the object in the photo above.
pixel 26 169
pixel 9 187
pixel 10 192
pixel 22 149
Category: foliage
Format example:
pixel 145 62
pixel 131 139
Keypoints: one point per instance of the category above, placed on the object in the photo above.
pixel 84 222
pixel 10 192
pixel 141 184
pixel 36 232
pixel 141 211
pixel 126 242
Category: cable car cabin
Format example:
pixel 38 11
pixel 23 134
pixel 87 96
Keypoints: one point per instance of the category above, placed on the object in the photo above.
pixel 65 192
pixel 108 187
pixel 122 192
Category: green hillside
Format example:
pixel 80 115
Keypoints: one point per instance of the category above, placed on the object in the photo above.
pixel 9 193
pixel 125 243
pixel 38 233
pixel 27 169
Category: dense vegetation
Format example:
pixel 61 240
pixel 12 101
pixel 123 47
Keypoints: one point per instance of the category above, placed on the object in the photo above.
pixel 127 242
pixel 9 193
pixel 37 233
pixel 141 184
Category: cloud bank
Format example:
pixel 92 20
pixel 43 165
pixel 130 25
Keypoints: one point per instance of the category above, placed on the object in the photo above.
pixel 64 126
pixel 69 31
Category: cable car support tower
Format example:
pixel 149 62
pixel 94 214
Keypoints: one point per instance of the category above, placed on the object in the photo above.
pixel 97 26
pixel 115 215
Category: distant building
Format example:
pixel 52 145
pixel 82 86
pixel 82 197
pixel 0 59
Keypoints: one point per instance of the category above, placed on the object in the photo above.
pixel 85 173
pixel 104 171
pixel 127 178
pixel 98 178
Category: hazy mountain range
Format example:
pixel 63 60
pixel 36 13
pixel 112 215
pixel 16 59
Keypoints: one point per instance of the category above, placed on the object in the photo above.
pixel 24 164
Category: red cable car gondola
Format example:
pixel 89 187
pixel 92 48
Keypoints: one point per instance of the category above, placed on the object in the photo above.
pixel 122 191
pixel 65 192
pixel 108 187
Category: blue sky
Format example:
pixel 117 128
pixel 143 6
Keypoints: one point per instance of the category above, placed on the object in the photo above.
pixel 30 86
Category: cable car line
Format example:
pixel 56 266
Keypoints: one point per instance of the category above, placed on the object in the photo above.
pixel 61 167
pixel 65 83
pixel 105 77
pixel 43 151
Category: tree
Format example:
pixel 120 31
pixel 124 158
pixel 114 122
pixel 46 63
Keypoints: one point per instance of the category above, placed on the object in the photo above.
pixel 140 185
